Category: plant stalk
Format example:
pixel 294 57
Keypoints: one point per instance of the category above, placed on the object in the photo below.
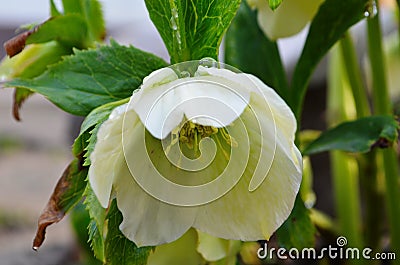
pixel 354 76
pixel 382 105
pixel 367 164
pixel 344 167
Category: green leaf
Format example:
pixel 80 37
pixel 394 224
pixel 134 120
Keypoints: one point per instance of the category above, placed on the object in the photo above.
pixel 247 48
pixel 70 30
pixel 93 122
pixel 357 136
pixel 192 30
pixel 94 209
pixel 86 141
pixel 118 249
pixel 95 20
pixel 274 4
pixel 89 79
pixel 96 226
pixel 80 221
pixel 91 11
pixel 297 231
pixel 53 9
pixel 100 114
pixel 334 17
pixel 80 28
pixel 80 144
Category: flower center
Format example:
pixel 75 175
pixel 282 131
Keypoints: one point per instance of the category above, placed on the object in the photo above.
pixel 191 134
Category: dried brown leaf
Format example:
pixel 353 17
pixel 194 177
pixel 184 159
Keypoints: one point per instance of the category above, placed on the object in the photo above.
pixel 66 194
pixel 17 44
pixel 20 95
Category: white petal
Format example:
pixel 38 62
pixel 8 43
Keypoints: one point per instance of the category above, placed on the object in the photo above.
pixel 106 154
pixel 152 106
pixel 215 100
pixel 283 115
pixel 181 251
pixel 147 220
pixel 268 206
pixel 212 248
pixel 283 118
pixel 288 19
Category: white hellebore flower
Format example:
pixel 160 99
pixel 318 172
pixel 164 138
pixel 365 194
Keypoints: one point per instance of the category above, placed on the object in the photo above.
pixel 213 150
pixel 289 18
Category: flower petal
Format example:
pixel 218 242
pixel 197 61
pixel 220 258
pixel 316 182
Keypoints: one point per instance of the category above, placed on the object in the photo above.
pixel 285 127
pixel 283 115
pixel 212 100
pixel 106 154
pixel 288 19
pixel 212 248
pixel 147 220
pixel 269 205
pixel 153 107
pixel 181 251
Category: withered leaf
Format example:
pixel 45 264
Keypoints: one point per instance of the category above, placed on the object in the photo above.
pixel 67 193
pixel 20 95
pixel 17 44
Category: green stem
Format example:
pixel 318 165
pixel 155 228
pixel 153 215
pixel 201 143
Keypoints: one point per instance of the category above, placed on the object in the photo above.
pixel 354 76
pixel 380 93
pixel 373 199
pixel 344 167
pixel 382 105
pixel 367 164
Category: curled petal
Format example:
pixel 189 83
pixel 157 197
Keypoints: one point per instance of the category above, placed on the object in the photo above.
pixel 288 19
pixel 211 100
pixel 106 155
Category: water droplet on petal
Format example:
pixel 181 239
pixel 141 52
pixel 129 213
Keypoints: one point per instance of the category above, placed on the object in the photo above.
pixel 185 74
pixel 208 62
pixel 371 9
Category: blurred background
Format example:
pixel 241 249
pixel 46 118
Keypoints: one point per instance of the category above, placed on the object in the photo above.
pixel 35 151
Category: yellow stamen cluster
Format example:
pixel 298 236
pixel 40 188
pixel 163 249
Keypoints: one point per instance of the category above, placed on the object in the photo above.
pixel 191 133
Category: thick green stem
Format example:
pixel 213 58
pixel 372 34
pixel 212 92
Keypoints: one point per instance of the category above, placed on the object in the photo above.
pixel 354 76
pixel 344 167
pixel 367 165
pixel 382 105
pixel 381 101
pixel 373 199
